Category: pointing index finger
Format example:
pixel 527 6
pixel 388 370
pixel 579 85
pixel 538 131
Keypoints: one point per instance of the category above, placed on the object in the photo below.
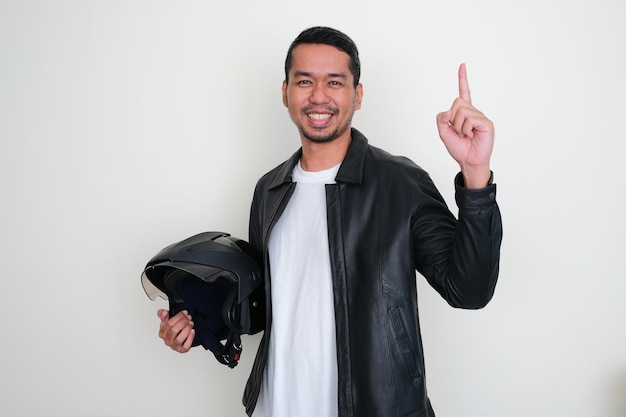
pixel 464 90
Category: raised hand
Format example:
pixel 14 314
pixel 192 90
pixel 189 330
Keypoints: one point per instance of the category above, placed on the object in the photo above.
pixel 468 135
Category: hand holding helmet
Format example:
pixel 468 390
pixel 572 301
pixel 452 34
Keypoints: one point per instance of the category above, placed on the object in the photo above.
pixel 177 332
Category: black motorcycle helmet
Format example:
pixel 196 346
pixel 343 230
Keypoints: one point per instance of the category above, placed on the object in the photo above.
pixel 217 278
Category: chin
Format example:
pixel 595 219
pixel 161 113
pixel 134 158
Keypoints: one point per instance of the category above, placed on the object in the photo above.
pixel 321 136
pixel 320 139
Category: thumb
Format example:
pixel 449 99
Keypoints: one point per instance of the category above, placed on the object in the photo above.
pixel 444 118
pixel 164 315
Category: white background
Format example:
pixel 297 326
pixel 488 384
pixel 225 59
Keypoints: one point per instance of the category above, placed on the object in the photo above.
pixel 128 125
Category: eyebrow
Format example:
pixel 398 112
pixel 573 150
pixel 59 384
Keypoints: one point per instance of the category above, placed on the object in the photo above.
pixel 331 75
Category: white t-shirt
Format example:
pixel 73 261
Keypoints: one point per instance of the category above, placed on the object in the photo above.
pixel 300 378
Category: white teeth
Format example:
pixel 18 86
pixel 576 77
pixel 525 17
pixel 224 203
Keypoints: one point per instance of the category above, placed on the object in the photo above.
pixel 318 116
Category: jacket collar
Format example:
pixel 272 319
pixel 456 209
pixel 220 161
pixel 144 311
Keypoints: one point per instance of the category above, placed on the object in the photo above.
pixel 351 169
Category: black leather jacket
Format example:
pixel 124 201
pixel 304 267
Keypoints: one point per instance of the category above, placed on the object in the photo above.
pixel 386 220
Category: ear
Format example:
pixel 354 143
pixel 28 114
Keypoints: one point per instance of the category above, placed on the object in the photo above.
pixel 285 93
pixel 359 96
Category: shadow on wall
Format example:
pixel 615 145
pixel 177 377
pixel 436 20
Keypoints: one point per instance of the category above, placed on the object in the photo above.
pixel 618 395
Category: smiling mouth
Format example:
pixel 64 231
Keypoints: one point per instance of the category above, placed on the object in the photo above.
pixel 319 116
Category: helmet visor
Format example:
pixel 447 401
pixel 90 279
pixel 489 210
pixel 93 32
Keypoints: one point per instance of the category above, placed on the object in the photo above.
pixel 151 290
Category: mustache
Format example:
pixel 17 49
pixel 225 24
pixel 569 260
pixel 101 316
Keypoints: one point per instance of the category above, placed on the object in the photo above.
pixel 330 109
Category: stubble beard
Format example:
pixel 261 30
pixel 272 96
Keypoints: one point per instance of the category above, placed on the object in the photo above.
pixel 321 135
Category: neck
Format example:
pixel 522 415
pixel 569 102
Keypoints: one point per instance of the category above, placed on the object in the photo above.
pixel 320 156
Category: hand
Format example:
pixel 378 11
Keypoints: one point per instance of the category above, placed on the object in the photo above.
pixel 177 332
pixel 468 136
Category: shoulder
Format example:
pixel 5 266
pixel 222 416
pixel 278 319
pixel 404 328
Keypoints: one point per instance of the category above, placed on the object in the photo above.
pixel 395 165
pixel 279 175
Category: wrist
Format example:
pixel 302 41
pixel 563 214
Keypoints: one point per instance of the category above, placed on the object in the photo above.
pixel 476 177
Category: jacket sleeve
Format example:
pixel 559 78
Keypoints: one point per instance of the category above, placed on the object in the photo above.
pixel 460 258
pixel 254 225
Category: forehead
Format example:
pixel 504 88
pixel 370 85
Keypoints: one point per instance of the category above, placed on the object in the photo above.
pixel 320 59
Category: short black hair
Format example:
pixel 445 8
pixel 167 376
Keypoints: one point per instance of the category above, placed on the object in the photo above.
pixel 327 36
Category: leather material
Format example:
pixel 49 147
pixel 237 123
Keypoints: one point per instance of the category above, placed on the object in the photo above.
pixel 386 220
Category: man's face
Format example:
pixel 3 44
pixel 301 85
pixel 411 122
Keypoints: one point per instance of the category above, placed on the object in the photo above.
pixel 320 95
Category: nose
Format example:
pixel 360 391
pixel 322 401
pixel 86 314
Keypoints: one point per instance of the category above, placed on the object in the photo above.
pixel 319 94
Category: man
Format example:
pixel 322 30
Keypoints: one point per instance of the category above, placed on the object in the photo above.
pixel 343 226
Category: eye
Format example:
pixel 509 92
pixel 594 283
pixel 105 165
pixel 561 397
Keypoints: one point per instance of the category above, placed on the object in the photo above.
pixel 335 84
pixel 304 82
